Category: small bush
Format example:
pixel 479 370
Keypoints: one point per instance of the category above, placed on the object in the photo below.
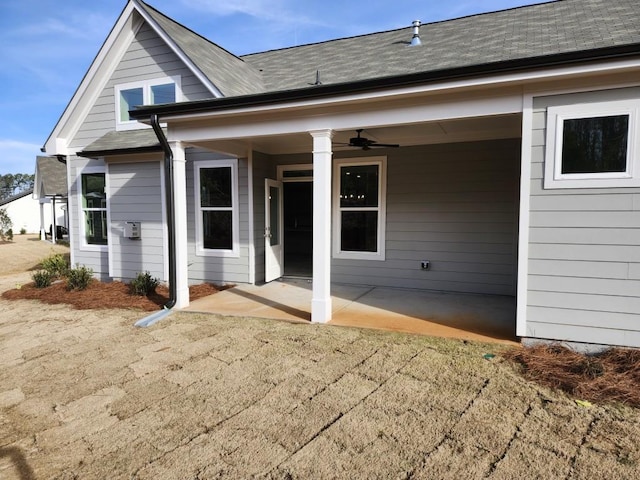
pixel 79 278
pixel 5 226
pixel 42 278
pixel 56 265
pixel 23 231
pixel 143 284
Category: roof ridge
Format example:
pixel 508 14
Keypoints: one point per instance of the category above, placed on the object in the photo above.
pixel 369 34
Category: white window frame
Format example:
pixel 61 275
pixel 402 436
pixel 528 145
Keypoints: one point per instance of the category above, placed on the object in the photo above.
pixel 553 176
pixel 379 254
pixel 146 95
pixel 81 211
pixel 234 209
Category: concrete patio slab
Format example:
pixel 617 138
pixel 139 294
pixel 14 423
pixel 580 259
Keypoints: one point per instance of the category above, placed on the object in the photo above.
pixel 466 316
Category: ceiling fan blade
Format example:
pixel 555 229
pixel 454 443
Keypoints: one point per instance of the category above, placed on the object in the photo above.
pixel 388 145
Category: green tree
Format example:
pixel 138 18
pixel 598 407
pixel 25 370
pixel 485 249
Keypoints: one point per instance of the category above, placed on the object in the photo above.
pixel 6 232
pixel 12 184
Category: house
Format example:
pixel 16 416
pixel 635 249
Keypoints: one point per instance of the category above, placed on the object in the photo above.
pixel 23 211
pixel 50 189
pixel 29 213
pixel 494 154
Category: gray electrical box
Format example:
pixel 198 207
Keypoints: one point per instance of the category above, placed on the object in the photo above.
pixel 132 230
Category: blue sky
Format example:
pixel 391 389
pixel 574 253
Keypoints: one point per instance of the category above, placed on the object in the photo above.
pixel 47 46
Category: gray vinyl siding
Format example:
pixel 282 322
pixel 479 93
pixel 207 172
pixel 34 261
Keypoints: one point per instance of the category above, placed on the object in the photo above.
pixel 135 195
pixel 213 268
pixel 147 57
pixel 98 261
pixel 584 250
pixel 455 205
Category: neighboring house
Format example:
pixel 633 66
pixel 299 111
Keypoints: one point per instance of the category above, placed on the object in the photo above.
pixel 26 212
pixel 50 189
pixel 517 171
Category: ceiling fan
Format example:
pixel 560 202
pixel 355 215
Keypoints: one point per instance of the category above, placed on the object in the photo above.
pixel 366 144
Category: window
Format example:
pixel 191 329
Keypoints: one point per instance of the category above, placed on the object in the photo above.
pixel 359 208
pixel 94 208
pixel 217 223
pixel 150 92
pixel 592 145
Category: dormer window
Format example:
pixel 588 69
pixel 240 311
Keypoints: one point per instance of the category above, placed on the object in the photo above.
pixel 148 92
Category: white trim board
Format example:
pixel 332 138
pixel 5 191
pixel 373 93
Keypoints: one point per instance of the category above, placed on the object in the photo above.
pixel 523 228
pixel 246 127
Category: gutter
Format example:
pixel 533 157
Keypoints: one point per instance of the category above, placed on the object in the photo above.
pixel 406 80
pixel 119 151
pixel 168 175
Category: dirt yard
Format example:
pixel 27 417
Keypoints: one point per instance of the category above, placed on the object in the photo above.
pixel 19 258
pixel 84 394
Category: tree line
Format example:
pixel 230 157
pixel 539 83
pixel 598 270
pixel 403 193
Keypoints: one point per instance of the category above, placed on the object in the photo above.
pixel 13 183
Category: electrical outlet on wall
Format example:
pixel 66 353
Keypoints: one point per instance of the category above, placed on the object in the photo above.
pixel 425 264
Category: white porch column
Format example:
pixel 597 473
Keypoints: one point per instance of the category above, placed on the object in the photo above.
pixel 42 227
pixel 322 157
pixel 54 222
pixel 180 224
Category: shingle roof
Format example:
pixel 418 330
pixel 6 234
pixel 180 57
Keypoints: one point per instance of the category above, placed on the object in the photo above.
pixel 51 177
pixel 549 28
pixel 230 74
pixel 143 140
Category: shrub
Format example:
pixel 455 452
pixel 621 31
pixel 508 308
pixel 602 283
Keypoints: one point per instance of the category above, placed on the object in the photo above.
pixel 143 284
pixel 23 231
pixel 79 278
pixel 56 264
pixel 42 278
pixel 5 226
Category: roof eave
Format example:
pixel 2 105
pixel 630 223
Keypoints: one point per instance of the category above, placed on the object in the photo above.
pixel 360 86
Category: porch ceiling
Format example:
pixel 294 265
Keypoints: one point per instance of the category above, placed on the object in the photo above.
pixel 447 131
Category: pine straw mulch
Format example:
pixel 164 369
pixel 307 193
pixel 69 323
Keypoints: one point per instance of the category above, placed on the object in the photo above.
pixel 608 377
pixel 104 295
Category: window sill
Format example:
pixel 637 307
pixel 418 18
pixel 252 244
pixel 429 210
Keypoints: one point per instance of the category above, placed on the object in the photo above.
pixel 600 182
pixel 85 247
pixel 202 252
pixel 372 256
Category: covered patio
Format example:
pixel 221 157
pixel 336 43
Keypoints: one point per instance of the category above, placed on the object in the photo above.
pixel 487 318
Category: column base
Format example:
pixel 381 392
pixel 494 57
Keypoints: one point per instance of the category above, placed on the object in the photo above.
pixel 182 298
pixel 320 311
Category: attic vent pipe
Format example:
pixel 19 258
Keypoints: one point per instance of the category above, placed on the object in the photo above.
pixel 416 33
